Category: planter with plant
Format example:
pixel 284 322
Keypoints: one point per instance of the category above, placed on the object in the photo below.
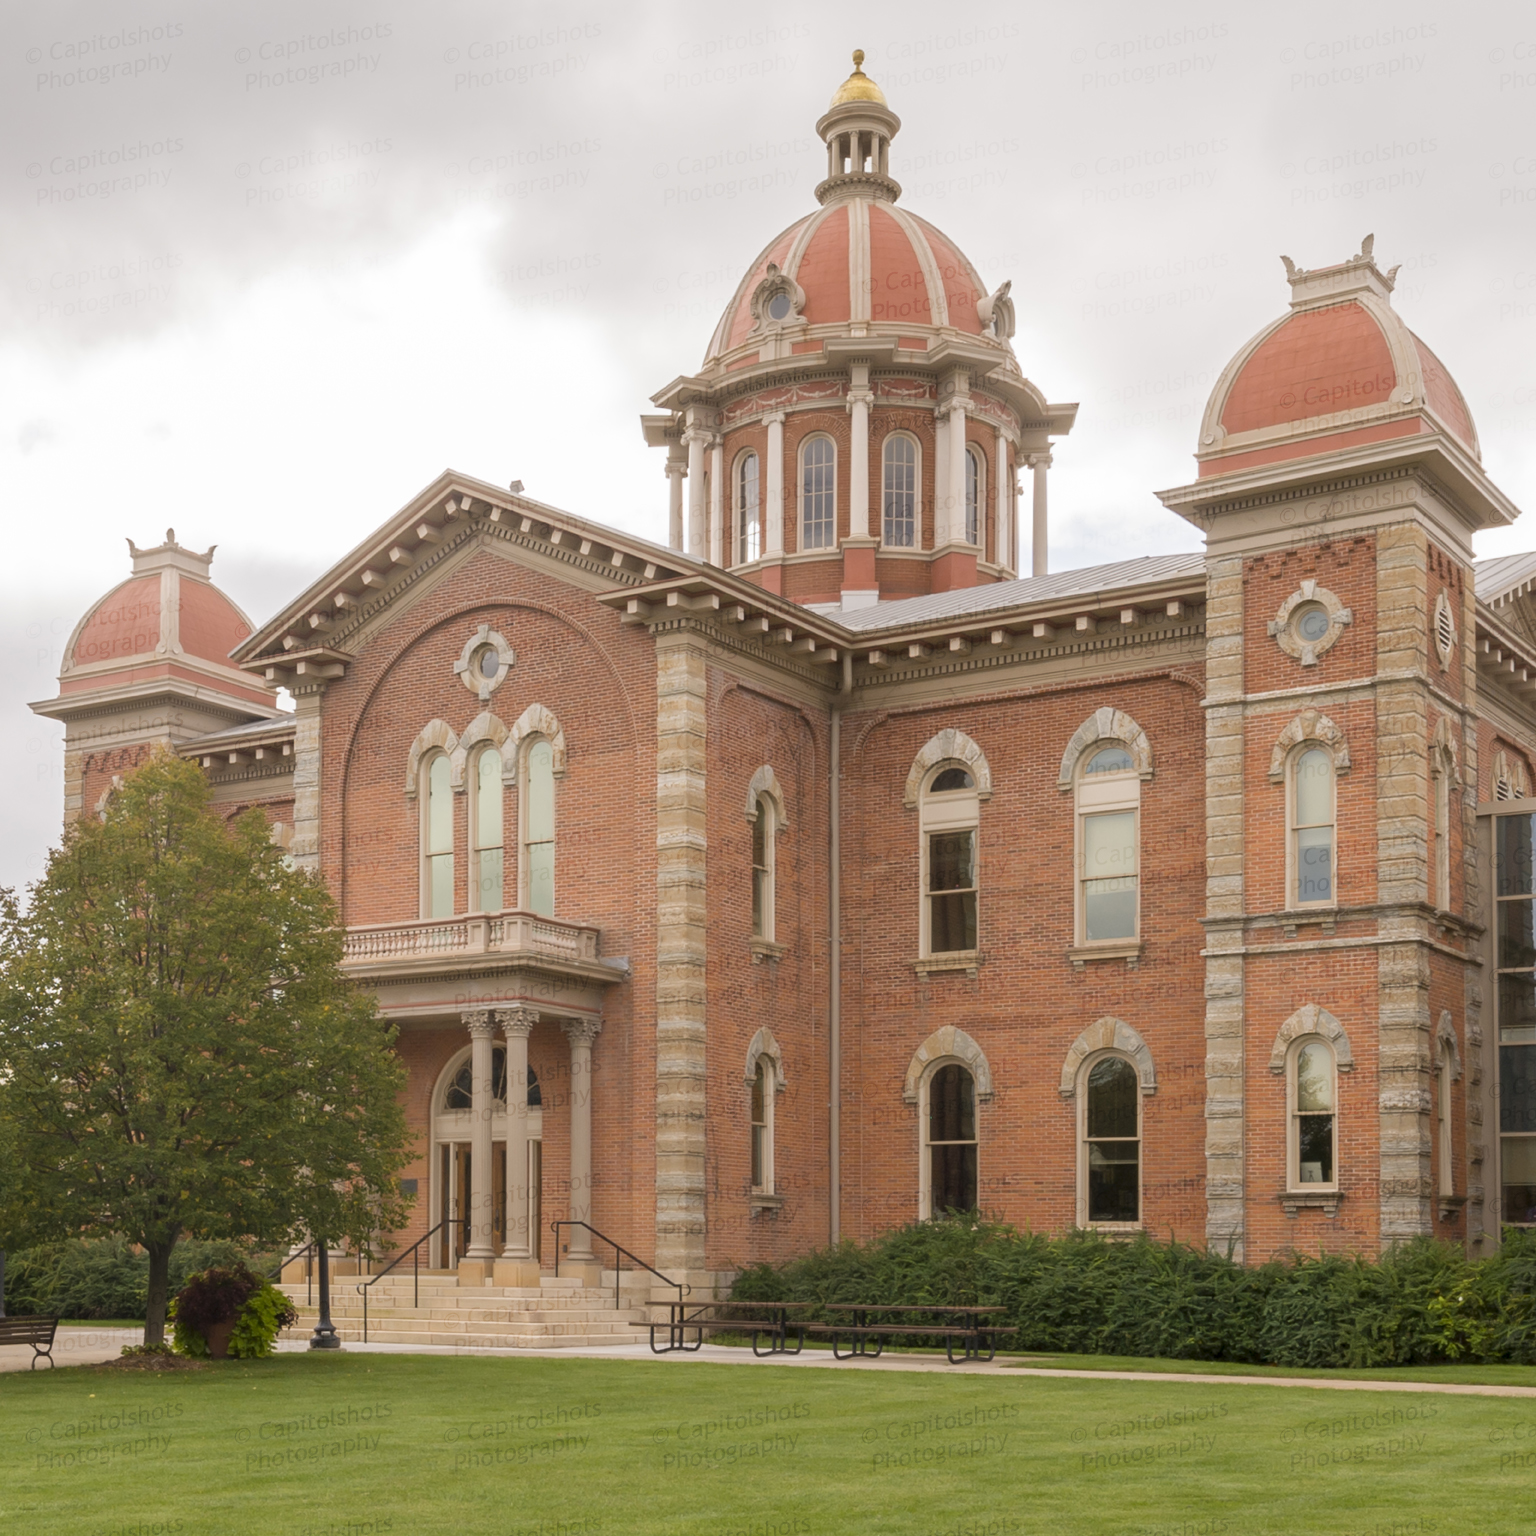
pixel 229 1313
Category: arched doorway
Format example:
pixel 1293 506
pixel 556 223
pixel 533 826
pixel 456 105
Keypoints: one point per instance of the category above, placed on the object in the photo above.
pixel 452 1137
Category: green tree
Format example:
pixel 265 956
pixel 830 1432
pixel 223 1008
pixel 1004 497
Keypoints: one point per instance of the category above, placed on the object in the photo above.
pixel 183 1055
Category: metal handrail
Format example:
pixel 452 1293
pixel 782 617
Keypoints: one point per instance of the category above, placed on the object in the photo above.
pixel 682 1289
pixel 414 1254
pixel 309 1277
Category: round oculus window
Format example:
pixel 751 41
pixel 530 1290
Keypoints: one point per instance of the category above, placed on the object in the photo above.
pixel 1312 623
pixel 779 307
pixel 488 663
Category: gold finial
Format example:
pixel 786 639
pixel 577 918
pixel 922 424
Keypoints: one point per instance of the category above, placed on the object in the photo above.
pixel 858 86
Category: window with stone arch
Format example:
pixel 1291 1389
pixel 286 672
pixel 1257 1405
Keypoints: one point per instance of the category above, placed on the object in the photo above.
pixel 1312 810
pixel 949 1174
pixel 486 817
pixel 763 904
pixel 900 479
pixel 764 1079
pixel 536 814
pixel 949 819
pixel 436 797
pixel 747 501
pixel 1312 1082
pixel 818 492
pixel 1109 1093
pixel 1108 846
pixel 975 494
pixel 1443 778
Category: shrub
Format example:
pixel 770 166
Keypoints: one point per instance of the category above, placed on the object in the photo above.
pixel 222 1294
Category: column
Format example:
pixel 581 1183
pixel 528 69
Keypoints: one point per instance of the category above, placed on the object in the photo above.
pixel 516 1266
pixel 1003 548
pixel 1040 463
pixel 676 468
pixel 859 400
pixel 697 442
pixel 581 1033
pixel 717 534
pixel 957 473
pixel 475 1266
pixel 941 533
pixel 773 488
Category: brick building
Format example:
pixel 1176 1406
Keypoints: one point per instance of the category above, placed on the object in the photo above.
pixel 822 870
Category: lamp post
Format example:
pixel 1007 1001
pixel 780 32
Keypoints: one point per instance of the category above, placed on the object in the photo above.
pixel 325 1335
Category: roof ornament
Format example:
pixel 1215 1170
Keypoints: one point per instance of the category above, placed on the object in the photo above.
pixel 996 312
pixel 777 300
pixel 1311 289
pixel 857 129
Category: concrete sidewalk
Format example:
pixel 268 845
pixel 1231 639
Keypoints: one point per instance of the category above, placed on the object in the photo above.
pixel 74 1344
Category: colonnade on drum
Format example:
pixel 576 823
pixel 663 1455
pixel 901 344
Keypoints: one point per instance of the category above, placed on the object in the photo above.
pixel 517 1264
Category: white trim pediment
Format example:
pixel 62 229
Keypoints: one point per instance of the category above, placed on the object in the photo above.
pixel 1109 1034
pixel 764 1045
pixel 435 735
pixel 484 727
pixel 949 746
pixel 948 1044
pixel 1312 1020
pixel 1106 724
pixel 765 782
pixel 1309 725
pixel 536 720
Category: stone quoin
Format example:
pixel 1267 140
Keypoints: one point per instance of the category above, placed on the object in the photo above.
pixel 835 863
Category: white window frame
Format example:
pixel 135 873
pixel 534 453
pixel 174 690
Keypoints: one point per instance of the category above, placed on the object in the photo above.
pixel 917 489
pixel 738 510
pixel 767 1072
pixel 524 785
pixel 424 799
pixel 1293 900
pixel 1096 794
pixel 1081 1096
pixel 951 810
pixel 924 1146
pixel 1293 1182
pixel 1445 1143
pixel 974 456
pixel 765 821
pixel 476 849
pixel 800 495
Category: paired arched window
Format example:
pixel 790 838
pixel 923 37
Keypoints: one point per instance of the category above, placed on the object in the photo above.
pixel 748 504
pixel 975 492
pixel 763 828
pixel 486 818
pixel 1313 1138
pixel 1109 1141
pixel 818 493
pixel 537 801
pixel 1312 827
pixel 949 1141
pixel 899 477
pixel 1108 846
pixel 949 820
pixel 437 837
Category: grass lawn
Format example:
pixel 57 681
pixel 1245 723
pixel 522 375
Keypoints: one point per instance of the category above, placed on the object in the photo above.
pixel 353 1445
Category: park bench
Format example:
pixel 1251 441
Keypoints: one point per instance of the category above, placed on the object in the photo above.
pixel 731 1317
pixel 36 1331
pixel 868 1325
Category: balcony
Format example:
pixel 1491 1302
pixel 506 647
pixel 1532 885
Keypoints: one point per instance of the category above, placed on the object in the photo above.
pixel 479 944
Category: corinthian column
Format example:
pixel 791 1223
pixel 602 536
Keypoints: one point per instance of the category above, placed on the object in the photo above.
pixel 697 441
pixel 1039 463
pixel 773 487
pixel 676 468
pixel 475 1266
pixel 581 1033
pixel 516 1266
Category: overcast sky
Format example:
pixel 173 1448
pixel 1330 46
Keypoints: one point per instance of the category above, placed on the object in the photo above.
pixel 268 269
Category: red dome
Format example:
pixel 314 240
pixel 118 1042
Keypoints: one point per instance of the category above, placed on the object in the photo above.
pixel 862 259
pixel 127 622
pixel 1340 370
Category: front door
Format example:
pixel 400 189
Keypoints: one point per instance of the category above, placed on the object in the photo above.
pixel 454 1173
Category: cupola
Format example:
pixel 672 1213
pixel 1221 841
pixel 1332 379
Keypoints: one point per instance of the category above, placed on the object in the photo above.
pixel 857 129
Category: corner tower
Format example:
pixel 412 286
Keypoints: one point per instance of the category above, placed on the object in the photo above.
pixel 859 422
pixel 1339 487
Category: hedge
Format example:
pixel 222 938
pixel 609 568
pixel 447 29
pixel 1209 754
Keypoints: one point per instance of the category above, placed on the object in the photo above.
pixel 1421 1303
pixel 105 1277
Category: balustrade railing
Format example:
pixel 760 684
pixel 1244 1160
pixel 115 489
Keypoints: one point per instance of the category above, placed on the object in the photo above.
pixel 522 933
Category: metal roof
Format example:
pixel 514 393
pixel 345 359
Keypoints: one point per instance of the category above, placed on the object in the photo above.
pixel 969 601
pixel 1504 577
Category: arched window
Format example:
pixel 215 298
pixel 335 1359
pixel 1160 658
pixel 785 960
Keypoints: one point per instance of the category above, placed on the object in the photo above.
pixel 762 870
pixel 899 470
pixel 1312 827
pixel 1441 873
pixel 460 1092
pixel 949 1134
pixel 1109 1137
pixel 488 836
pixel 762 1129
pixel 974 492
pixel 1444 1144
pixel 1312 1154
pixel 538 816
pixel 749 519
pixel 437 839
pixel 949 819
pixel 1108 847
pixel 818 493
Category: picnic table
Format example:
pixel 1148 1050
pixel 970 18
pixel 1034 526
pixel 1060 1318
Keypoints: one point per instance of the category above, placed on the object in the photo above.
pixel 871 1324
pixel 768 1320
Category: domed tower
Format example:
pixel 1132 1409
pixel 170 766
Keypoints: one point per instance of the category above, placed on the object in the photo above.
pixel 859 422
pixel 149 663
pixel 1339 486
